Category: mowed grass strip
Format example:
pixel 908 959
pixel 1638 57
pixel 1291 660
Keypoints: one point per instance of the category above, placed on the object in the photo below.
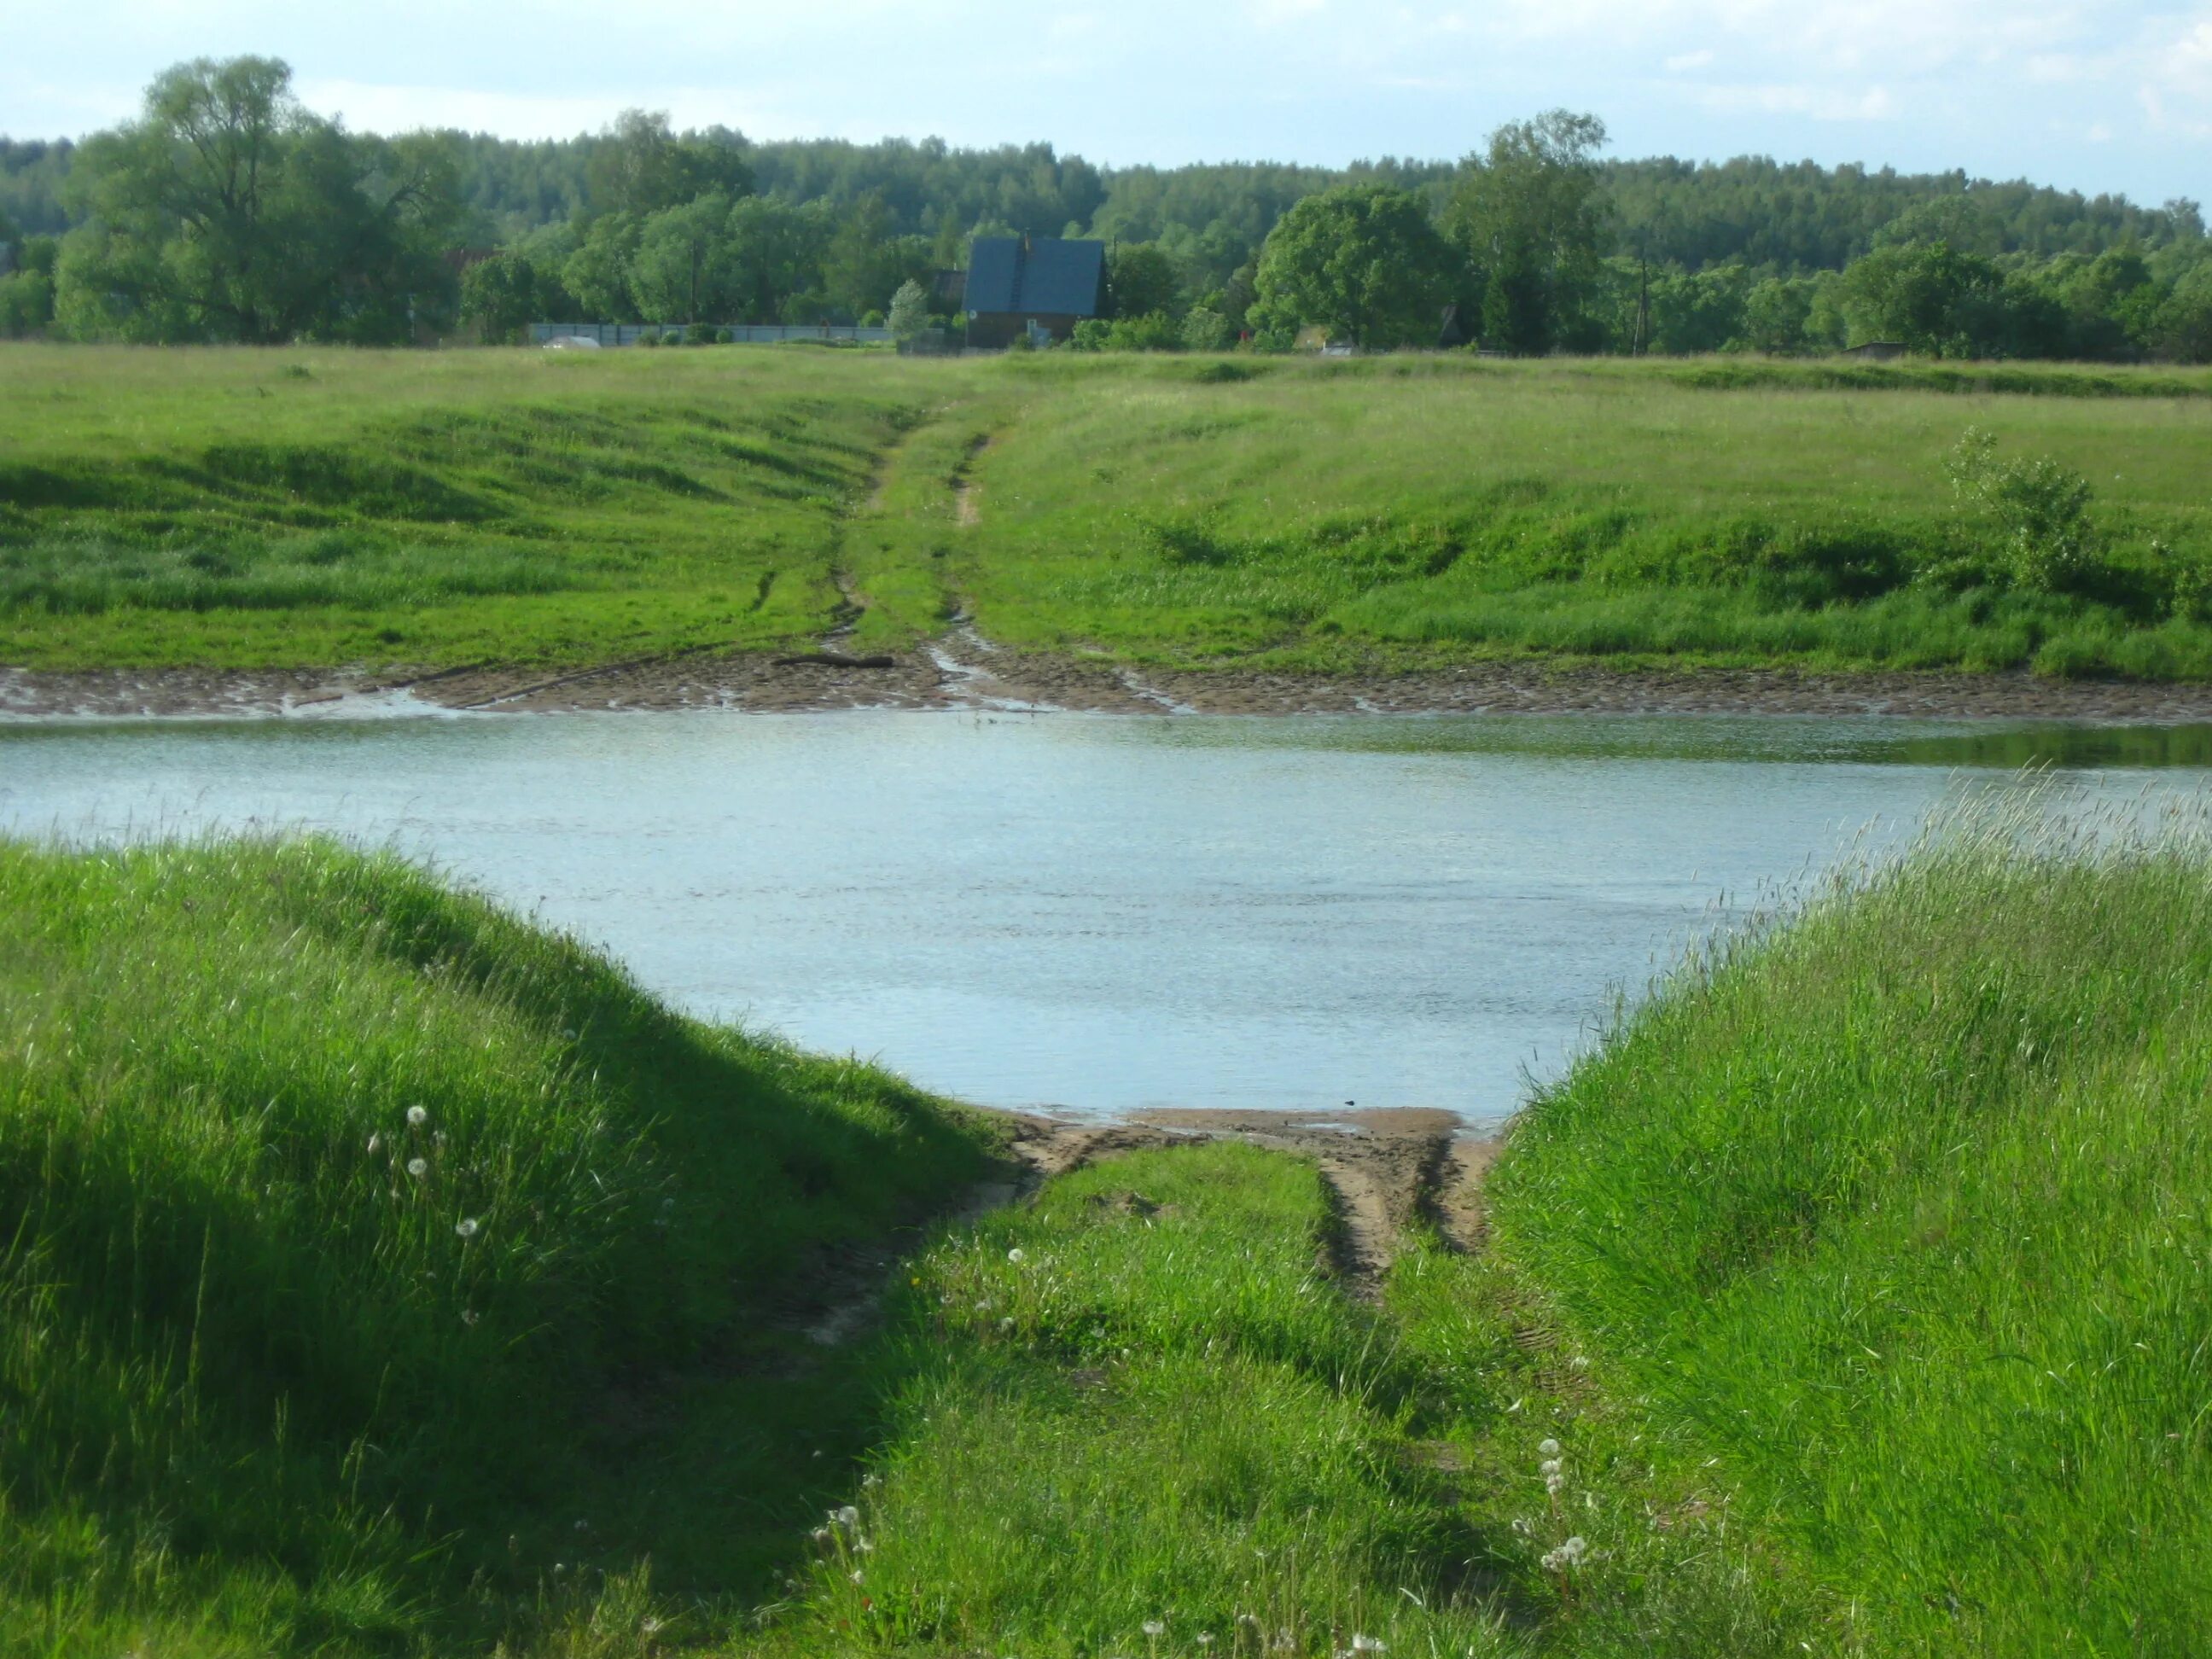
pixel 237 509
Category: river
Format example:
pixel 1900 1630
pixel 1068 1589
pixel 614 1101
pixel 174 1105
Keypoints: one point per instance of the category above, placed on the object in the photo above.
pixel 1101 914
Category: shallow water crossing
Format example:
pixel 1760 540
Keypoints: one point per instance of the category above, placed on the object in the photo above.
pixel 1104 916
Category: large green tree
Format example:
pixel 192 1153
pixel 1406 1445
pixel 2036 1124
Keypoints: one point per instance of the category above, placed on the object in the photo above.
pixel 1141 278
pixel 1530 217
pixel 640 165
pixel 1927 296
pixel 227 212
pixel 1363 261
pixel 685 268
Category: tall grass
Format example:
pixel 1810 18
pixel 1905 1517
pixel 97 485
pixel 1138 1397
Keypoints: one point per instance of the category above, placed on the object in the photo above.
pixel 356 1244
pixel 1899 1212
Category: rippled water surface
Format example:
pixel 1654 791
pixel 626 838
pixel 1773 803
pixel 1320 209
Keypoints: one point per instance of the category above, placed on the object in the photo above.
pixel 1101 914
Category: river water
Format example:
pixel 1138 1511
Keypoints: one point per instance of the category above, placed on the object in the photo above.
pixel 1101 914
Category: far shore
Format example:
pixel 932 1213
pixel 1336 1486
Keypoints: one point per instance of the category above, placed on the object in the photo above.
pixel 967 673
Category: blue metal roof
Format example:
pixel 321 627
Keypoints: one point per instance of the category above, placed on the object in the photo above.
pixel 1051 277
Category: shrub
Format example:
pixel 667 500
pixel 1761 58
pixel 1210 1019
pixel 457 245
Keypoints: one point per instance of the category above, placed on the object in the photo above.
pixel 2040 507
pixel 1206 330
pixel 700 334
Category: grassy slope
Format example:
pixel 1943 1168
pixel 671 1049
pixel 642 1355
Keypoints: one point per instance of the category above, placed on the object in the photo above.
pixel 1315 514
pixel 259 1392
pixel 1861 1279
pixel 1901 1215
pixel 234 508
pixel 239 508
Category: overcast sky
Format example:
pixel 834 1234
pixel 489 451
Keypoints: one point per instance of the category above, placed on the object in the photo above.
pixel 2105 96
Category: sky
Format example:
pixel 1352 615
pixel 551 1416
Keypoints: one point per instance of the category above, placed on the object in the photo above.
pixel 2111 95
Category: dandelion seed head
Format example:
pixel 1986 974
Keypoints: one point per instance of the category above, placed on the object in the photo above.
pixel 1368 1644
pixel 418 1167
pixel 820 1534
pixel 855 1576
pixel 1155 1628
pixel 846 1516
pixel 1007 1324
pixel 469 1315
pixel 417 1116
pixel 467 1226
pixel 1549 1466
pixel 1016 1255
pixel 863 1546
pixel 1548 1449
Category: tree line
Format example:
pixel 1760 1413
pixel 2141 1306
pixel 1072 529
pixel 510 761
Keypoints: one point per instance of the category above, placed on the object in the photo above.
pixel 229 212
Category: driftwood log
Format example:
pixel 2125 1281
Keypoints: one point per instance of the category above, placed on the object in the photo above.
pixel 835 660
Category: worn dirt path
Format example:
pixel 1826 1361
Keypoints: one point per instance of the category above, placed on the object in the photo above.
pixel 1389 1168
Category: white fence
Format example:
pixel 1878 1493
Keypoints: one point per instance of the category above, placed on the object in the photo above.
pixel 628 334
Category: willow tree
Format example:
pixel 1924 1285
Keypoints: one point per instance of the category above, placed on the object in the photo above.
pixel 228 211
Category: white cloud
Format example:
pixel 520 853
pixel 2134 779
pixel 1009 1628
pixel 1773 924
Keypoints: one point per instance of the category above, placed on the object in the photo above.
pixel 1820 103
pixel 1682 63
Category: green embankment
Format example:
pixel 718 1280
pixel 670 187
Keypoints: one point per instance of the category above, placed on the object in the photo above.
pixel 320 508
pixel 317 508
pixel 1860 1280
pixel 377 1272
pixel 1902 1216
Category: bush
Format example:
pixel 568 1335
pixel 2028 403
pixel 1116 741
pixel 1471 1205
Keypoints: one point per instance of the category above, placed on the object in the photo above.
pixel 700 334
pixel 2040 507
pixel 1206 330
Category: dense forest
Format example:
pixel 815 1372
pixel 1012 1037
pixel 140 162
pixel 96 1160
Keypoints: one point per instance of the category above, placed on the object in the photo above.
pixel 1541 242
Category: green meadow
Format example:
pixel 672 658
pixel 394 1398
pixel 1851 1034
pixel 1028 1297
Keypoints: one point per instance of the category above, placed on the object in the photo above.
pixel 384 1275
pixel 318 508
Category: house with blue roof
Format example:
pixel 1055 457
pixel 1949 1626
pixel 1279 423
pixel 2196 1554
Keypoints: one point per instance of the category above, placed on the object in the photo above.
pixel 1040 286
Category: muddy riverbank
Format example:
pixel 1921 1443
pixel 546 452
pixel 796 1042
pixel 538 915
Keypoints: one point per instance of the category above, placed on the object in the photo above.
pixel 964 671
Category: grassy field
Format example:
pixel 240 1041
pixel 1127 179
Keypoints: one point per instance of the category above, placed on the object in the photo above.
pixel 382 1276
pixel 317 508
pixel 240 508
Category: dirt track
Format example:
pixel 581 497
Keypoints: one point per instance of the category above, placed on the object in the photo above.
pixel 1387 1168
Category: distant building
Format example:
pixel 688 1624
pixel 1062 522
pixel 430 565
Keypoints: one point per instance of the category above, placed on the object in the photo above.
pixel 1877 351
pixel 1039 286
